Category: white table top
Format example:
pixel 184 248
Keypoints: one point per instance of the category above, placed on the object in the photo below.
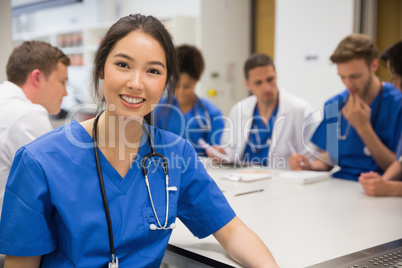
pixel 303 224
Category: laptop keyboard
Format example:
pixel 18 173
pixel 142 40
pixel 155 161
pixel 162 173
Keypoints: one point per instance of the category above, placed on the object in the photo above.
pixel 392 258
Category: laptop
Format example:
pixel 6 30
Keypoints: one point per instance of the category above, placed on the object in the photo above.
pixel 385 255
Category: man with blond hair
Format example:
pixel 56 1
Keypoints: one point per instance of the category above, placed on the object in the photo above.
pixel 35 86
pixel 362 124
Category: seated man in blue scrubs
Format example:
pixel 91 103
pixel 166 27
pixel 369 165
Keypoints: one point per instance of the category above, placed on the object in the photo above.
pixel 266 127
pixel 197 117
pixel 361 125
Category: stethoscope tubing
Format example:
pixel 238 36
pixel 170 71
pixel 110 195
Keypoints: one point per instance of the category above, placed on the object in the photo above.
pixel 102 187
pixel 153 153
pixel 346 134
pixel 196 113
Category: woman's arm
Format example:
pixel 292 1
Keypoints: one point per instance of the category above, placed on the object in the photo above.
pixel 243 245
pixel 375 185
pixel 301 162
pixel 394 172
pixel 22 262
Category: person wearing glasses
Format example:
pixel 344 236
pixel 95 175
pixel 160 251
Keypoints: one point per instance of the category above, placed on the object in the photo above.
pixel 361 126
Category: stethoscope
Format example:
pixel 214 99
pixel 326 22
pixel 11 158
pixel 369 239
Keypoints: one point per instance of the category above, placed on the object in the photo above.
pixel 198 117
pixel 255 148
pixel 115 261
pixel 343 137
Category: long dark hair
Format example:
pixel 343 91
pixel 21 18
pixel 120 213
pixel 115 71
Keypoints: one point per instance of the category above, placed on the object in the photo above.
pixel 149 25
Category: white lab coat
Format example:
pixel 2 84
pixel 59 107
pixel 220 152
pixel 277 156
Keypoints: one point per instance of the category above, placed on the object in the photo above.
pixel 292 124
pixel 21 122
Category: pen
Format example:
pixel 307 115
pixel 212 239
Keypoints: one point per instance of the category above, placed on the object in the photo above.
pixel 250 192
pixel 293 150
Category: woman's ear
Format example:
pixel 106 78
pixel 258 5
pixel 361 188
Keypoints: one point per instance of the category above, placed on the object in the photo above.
pixel 101 75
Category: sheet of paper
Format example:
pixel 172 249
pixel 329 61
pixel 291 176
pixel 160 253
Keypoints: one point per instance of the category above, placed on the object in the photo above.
pixel 248 175
pixel 301 176
pixel 211 149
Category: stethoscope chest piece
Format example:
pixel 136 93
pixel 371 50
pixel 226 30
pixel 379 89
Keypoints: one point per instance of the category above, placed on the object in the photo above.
pixel 115 261
pixel 269 142
pixel 366 151
pixel 114 264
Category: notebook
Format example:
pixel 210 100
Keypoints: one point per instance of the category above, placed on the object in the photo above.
pixel 248 175
pixel 224 159
pixel 301 176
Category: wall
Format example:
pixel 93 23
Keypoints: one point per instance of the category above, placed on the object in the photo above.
pixel 6 41
pixel 225 41
pixel 220 28
pixel 306 33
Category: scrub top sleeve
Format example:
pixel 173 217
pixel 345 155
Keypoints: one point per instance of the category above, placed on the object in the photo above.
pixel 217 125
pixel 399 149
pixel 202 206
pixel 319 135
pixel 25 227
pixel 326 132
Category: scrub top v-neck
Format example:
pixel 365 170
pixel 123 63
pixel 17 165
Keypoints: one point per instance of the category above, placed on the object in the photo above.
pixel 259 138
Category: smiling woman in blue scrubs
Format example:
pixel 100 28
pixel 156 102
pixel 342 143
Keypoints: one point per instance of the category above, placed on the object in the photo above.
pixel 54 209
pixel 188 115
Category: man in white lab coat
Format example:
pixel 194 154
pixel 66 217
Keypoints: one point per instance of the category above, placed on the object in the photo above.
pixel 266 127
pixel 35 86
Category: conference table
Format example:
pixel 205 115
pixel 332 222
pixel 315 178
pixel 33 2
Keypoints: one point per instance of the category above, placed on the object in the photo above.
pixel 301 224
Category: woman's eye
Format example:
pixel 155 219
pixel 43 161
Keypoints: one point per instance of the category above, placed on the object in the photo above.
pixel 122 65
pixel 154 71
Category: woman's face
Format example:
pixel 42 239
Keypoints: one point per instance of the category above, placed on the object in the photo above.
pixel 135 75
pixel 185 90
pixel 395 79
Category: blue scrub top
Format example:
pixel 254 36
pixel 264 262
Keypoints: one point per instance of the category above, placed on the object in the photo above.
pixel 187 125
pixel 258 138
pixel 53 204
pixel 399 150
pixel 348 154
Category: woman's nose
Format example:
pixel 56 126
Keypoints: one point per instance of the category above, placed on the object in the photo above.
pixel 135 81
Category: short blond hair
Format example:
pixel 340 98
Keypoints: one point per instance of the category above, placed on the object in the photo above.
pixel 355 46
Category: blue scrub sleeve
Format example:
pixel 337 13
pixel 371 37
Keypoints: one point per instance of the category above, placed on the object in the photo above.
pixel 202 206
pixel 327 130
pixel 217 125
pixel 25 227
pixel 399 150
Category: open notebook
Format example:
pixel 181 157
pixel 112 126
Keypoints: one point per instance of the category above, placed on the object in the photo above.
pixel 248 175
pixel 301 176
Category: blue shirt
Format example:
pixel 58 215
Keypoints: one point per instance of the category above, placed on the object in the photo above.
pixel 204 121
pixel 259 138
pixel 348 154
pixel 53 204
pixel 399 150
